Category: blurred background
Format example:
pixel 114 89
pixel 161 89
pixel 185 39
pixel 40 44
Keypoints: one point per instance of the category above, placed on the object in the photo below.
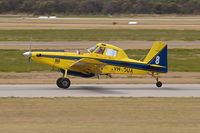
pixel 132 25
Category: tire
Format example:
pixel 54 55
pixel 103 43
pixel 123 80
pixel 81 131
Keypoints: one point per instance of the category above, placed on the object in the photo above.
pixel 159 84
pixel 63 83
pixel 58 82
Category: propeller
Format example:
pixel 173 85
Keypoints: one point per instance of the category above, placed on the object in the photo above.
pixel 28 54
pixel 29 57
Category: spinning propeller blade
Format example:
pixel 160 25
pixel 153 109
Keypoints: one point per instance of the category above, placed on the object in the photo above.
pixel 28 54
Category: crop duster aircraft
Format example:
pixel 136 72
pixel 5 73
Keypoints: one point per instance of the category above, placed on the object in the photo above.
pixel 102 59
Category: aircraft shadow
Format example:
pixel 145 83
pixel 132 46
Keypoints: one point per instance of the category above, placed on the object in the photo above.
pixel 130 89
pixel 99 89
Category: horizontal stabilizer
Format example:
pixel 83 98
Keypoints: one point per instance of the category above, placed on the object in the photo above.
pixel 157 66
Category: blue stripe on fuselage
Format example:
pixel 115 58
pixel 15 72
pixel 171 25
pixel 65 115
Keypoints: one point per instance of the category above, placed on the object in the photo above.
pixel 133 65
pixel 113 62
pixel 62 57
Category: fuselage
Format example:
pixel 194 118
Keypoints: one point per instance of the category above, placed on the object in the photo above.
pixel 64 60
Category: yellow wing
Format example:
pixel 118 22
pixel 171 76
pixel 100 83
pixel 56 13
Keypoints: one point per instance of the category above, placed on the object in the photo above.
pixel 87 66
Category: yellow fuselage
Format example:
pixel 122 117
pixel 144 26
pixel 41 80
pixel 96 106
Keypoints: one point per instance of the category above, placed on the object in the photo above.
pixel 65 64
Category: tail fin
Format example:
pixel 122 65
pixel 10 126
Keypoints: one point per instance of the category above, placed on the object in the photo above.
pixel 157 56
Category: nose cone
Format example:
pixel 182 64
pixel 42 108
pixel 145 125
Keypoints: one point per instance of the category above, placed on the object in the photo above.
pixel 27 54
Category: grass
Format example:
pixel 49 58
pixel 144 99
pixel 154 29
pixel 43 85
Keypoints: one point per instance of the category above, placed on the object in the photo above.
pixel 99 115
pixel 13 60
pixel 99 35
pixel 184 60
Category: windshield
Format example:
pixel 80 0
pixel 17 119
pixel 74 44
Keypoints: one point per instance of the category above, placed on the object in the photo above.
pixel 100 50
pixel 92 49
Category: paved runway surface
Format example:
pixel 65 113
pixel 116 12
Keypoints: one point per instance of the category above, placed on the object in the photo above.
pixel 115 90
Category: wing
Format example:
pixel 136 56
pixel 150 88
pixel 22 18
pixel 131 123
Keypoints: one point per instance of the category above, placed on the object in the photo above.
pixel 87 66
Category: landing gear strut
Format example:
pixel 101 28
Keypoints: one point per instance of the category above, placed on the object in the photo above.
pixel 63 82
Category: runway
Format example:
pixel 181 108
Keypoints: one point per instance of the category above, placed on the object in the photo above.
pixel 102 90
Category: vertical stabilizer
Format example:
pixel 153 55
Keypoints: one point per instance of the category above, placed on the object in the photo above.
pixel 158 55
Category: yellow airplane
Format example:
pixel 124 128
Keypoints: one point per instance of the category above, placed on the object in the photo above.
pixel 102 59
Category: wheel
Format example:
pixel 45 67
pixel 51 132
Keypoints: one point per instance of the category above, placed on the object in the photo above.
pixel 63 83
pixel 159 84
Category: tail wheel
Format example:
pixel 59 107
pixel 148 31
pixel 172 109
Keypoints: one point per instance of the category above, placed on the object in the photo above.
pixel 63 83
pixel 159 84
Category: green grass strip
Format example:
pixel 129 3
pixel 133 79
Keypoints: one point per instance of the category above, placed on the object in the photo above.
pixel 99 35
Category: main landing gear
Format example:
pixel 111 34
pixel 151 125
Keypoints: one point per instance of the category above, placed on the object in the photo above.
pixel 63 82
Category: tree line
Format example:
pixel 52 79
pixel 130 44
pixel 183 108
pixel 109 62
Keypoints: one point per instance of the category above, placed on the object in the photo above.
pixel 99 7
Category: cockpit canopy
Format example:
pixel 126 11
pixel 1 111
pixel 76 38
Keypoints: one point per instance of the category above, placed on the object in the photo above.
pixel 107 50
pixel 92 49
